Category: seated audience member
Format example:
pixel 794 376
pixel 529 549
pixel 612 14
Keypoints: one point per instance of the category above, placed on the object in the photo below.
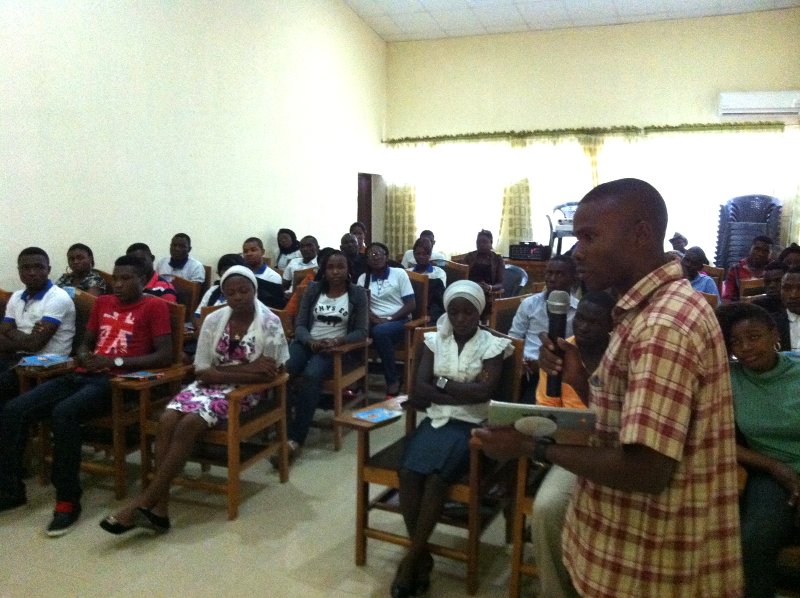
pixel 359 230
pixel 679 243
pixel 408 258
pixel 179 263
pixel 458 373
pixel 593 325
pixel 39 319
pixel 750 267
pixel 127 331
pixel 253 254
pixel 391 303
pixel 293 304
pixel 214 295
pixel 766 403
pixel 531 317
pixel 81 274
pixel 156 285
pixel 349 247
pixel 333 312
pixel 788 319
pixel 790 256
pixel 771 299
pixel 485 266
pixel 693 261
pixel 241 343
pixel 308 251
pixel 270 289
pixel 288 248
pixel 437 277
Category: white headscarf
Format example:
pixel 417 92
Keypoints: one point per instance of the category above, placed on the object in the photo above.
pixel 464 289
pixel 214 325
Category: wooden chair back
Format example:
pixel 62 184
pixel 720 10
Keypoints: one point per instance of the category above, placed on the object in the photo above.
pixel 455 271
pixel 718 274
pixel 204 311
pixel 751 286
pixel 207 282
pixel 503 312
pixel 458 258
pixel 299 275
pixel 4 297
pixel 84 302
pixel 188 293
pixel 713 299
pixel 420 283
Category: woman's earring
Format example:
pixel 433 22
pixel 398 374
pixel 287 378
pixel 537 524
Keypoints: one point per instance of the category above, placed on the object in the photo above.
pixel 778 347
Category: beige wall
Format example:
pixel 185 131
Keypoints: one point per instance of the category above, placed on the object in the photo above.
pixel 129 121
pixel 658 73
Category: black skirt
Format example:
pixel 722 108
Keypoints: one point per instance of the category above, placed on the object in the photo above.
pixel 444 451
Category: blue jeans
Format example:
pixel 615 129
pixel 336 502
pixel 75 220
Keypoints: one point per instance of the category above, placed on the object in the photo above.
pixel 312 368
pixel 69 401
pixel 384 337
pixel 767 525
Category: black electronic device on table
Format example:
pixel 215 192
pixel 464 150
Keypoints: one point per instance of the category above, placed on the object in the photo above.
pixel 529 250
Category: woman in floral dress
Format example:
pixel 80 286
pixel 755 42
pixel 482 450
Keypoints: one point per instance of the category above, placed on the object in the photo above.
pixel 241 343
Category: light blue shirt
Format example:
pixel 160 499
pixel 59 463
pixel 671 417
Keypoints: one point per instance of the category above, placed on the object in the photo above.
pixel 531 319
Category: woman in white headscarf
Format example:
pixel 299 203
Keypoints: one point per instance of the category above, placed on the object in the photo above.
pixel 458 373
pixel 241 343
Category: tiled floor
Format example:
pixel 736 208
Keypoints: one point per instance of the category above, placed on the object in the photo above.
pixel 293 539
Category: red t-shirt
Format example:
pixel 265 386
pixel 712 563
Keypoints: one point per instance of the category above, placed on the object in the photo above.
pixel 127 329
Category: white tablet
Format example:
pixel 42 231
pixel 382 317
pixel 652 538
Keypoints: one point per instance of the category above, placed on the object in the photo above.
pixel 567 426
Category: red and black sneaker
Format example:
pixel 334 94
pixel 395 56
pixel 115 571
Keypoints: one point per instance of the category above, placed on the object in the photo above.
pixel 65 515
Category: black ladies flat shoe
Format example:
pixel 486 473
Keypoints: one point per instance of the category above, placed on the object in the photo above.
pixel 147 519
pixel 399 591
pixel 113 526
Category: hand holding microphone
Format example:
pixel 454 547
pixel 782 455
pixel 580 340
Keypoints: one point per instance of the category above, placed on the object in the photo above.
pixel 557 309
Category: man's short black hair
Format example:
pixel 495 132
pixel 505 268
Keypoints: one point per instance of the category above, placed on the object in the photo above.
pixel 133 261
pixel 255 240
pixel 360 225
pixel 139 247
pixel 641 201
pixel 229 260
pixel 34 251
pixel 427 233
pixel 312 238
pixel 487 234
pixel 422 241
pixel 567 259
pixel 183 236
pixel 762 239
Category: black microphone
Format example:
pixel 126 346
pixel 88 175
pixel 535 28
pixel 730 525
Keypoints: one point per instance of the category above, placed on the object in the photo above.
pixel 557 308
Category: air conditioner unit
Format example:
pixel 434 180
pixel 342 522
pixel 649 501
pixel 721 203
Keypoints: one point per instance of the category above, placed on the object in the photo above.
pixel 782 103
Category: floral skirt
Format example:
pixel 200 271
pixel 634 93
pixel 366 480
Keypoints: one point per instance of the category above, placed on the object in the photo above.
pixel 209 401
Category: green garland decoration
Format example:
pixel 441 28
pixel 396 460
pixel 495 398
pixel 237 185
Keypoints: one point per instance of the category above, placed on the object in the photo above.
pixel 519 136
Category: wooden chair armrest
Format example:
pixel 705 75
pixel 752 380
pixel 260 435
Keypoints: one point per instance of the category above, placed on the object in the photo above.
pixel 40 373
pixel 475 443
pixel 240 392
pixel 349 420
pixel 173 373
pixel 416 323
pixel 347 347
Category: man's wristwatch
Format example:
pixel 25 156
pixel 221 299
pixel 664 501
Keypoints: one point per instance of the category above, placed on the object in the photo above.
pixel 441 382
pixel 119 362
pixel 540 449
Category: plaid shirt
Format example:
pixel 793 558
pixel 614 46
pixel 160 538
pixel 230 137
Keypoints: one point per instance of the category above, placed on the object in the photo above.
pixel 663 383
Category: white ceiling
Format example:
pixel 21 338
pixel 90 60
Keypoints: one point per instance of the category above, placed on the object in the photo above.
pixel 403 20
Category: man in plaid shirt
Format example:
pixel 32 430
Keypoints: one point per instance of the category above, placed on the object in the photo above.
pixel 655 510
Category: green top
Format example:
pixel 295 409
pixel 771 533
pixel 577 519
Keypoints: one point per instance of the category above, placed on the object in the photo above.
pixel 767 408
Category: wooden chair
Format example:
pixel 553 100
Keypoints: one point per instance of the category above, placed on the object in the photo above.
pixel 419 317
pixel 750 286
pixel 455 271
pixel 718 274
pixel 236 443
pixel 713 300
pixel 344 376
pixel 381 468
pixel 188 293
pixel 299 275
pixel 504 311
pixel 458 257
pixel 207 281
pixel 4 297
pixel 523 508
pixel 30 377
pixel 118 432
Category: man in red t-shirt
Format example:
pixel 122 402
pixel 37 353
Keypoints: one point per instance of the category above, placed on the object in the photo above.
pixel 127 331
